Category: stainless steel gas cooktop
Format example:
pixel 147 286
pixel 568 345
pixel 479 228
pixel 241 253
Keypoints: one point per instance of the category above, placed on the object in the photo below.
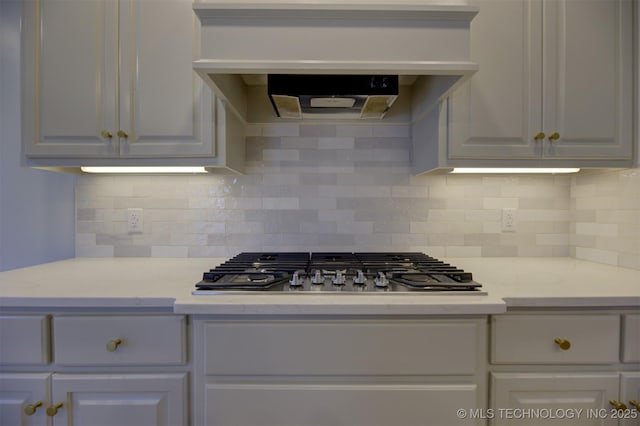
pixel 335 273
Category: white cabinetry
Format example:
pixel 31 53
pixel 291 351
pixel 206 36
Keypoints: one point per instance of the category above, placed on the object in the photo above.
pixel 337 371
pixel 111 83
pixel 553 89
pixel 558 363
pixel 69 393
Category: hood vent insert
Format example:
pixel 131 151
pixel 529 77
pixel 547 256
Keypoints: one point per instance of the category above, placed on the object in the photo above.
pixel 300 96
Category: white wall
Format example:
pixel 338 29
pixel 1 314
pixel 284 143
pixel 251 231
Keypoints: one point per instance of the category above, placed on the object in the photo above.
pixel 37 208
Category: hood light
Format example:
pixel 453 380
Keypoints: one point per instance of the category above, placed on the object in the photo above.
pixel 513 170
pixel 149 170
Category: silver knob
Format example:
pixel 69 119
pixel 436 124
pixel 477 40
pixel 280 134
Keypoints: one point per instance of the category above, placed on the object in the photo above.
pixel 295 280
pixel 381 280
pixel 338 279
pixel 317 278
pixel 359 278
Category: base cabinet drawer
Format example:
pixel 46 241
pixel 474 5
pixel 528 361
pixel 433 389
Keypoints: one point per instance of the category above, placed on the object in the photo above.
pixel 337 404
pixel 119 340
pixel 631 338
pixel 24 340
pixel 555 339
pixel 341 348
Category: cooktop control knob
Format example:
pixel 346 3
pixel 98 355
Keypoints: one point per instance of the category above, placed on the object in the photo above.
pixel 381 280
pixel 359 279
pixel 318 278
pixel 296 281
pixel 339 278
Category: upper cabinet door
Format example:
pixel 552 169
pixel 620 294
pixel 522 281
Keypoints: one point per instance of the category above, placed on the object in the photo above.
pixel 165 107
pixel 588 78
pixel 69 67
pixel 555 82
pixel 497 113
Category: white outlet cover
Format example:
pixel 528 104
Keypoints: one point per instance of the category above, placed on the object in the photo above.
pixel 134 220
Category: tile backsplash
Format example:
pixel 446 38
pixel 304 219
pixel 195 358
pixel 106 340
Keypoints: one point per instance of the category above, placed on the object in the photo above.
pixel 326 187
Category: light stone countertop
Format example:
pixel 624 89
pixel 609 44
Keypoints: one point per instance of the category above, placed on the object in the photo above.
pixel 125 283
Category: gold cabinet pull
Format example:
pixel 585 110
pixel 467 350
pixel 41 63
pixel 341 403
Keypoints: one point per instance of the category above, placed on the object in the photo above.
pixel 617 405
pixel 539 137
pixel 122 134
pixel 113 345
pixel 635 404
pixel 30 409
pixel 106 134
pixel 563 343
pixel 554 136
pixel 53 410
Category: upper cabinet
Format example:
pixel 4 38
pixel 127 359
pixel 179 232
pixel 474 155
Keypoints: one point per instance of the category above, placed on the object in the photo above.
pixel 554 88
pixel 111 82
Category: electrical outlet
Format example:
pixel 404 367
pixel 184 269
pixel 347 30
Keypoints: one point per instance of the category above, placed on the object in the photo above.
pixel 509 219
pixel 134 221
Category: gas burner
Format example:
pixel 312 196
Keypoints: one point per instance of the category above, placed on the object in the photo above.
pixel 348 273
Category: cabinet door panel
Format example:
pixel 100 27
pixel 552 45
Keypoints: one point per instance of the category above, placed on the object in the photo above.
pixel 336 404
pixel 497 113
pixel 630 391
pixel 17 390
pixel 553 391
pixel 588 76
pixel 125 400
pixel 69 90
pixel 165 106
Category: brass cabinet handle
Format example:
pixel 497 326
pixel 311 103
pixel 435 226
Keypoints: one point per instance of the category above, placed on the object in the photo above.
pixel 30 409
pixel 635 404
pixel 539 137
pixel 554 136
pixel 122 134
pixel 563 343
pixel 106 134
pixel 53 410
pixel 113 345
pixel 618 405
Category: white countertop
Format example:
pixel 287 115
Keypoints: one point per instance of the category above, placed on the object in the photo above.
pixel 167 283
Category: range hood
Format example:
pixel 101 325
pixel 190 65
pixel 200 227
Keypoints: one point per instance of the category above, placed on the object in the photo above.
pixel 242 42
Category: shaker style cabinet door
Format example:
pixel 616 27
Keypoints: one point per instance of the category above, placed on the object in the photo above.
pixel 113 79
pixel 554 82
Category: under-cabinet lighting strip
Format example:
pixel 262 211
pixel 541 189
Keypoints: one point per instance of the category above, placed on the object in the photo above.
pixel 150 170
pixel 514 170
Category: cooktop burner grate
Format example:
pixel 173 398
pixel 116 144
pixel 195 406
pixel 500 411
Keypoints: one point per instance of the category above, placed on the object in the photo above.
pixel 337 272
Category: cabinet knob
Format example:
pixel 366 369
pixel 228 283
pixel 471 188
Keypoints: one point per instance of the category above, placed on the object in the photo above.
pixel 617 405
pixel 539 137
pixel 563 343
pixel 635 404
pixel 122 134
pixel 30 409
pixel 53 410
pixel 106 134
pixel 554 136
pixel 113 345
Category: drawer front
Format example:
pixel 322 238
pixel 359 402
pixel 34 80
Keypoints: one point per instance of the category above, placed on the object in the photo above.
pixel 341 348
pixel 531 339
pixel 24 340
pixel 119 340
pixel 631 340
pixel 337 404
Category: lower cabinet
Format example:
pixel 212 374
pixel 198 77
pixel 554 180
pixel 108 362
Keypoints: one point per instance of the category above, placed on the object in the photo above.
pixel 357 372
pixel 93 399
pixel 125 370
pixel 563 368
